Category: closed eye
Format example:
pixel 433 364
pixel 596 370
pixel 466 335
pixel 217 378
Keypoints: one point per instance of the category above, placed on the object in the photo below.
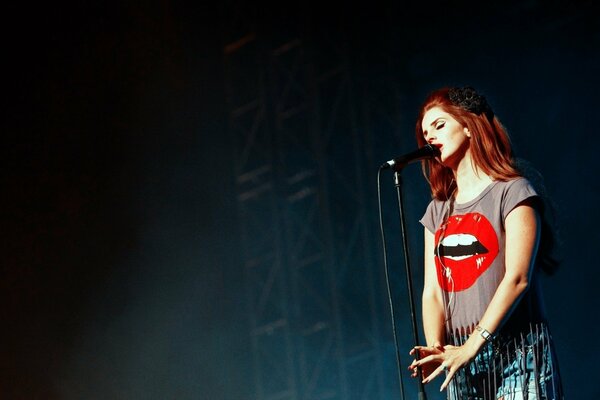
pixel 440 125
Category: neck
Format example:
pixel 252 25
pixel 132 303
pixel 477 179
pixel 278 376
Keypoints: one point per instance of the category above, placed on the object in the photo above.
pixel 470 180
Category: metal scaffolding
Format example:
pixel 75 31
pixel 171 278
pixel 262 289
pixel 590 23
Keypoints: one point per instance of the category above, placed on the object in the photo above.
pixel 309 261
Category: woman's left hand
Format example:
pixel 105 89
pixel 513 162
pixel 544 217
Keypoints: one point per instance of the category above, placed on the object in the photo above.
pixel 450 359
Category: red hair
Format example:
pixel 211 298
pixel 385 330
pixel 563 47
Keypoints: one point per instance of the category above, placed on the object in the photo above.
pixel 490 145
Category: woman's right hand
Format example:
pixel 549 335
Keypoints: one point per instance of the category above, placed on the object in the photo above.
pixel 424 351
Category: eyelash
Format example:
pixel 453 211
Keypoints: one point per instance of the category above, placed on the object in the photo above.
pixel 437 127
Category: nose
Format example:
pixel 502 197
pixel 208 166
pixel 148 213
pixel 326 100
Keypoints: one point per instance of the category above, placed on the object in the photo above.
pixel 429 138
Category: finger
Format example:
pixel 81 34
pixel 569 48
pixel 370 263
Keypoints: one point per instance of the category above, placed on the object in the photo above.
pixel 414 363
pixel 425 360
pixel 435 373
pixel 447 380
pixel 421 351
pixel 421 348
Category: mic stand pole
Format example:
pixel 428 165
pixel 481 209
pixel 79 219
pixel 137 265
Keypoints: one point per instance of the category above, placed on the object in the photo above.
pixel 411 301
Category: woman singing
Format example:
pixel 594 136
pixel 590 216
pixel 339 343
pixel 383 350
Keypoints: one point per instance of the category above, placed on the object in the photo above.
pixel 485 245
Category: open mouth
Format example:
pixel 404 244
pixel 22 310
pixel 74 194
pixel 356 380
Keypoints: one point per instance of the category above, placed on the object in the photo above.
pixel 466 248
pixel 461 246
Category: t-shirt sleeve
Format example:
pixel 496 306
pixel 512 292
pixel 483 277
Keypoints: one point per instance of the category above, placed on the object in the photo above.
pixel 516 192
pixel 429 218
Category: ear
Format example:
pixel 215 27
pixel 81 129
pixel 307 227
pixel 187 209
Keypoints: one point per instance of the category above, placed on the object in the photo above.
pixel 467 132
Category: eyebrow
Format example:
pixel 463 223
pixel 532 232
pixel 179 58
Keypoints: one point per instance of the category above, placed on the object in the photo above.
pixel 432 124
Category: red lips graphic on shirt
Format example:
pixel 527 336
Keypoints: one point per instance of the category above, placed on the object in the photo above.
pixel 468 247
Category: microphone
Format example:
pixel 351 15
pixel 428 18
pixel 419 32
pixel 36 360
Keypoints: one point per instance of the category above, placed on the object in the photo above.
pixel 427 151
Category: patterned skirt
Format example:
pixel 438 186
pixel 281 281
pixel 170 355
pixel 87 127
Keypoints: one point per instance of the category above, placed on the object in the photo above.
pixel 519 366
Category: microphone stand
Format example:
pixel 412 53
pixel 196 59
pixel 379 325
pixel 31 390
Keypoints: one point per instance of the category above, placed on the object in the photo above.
pixel 398 183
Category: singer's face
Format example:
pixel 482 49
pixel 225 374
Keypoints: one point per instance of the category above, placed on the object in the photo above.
pixel 443 131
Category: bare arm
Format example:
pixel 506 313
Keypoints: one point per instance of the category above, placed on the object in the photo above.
pixel 522 236
pixel 433 311
pixel 433 306
pixel 522 233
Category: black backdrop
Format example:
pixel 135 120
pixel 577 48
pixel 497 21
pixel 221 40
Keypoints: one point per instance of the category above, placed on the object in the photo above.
pixel 121 277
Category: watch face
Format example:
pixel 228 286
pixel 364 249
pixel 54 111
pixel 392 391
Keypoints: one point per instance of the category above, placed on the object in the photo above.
pixel 484 333
pixel 466 246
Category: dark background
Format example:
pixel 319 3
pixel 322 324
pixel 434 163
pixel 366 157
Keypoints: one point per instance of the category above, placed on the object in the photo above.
pixel 121 273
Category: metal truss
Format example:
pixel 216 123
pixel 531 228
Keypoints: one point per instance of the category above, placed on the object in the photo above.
pixel 266 280
pixel 343 152
pixel 308 236
pixel 302 128
pixel 300 170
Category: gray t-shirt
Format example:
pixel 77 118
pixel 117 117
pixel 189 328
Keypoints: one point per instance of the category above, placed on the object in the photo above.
pixel 469 246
